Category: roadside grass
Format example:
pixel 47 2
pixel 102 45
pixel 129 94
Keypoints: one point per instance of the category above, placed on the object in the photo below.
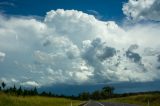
pixel 141 100
pixel 10 100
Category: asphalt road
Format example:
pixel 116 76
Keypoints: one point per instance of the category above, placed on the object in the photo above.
pixel 94 103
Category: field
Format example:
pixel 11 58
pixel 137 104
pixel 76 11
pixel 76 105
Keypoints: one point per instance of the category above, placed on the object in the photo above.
pixel 141 99
pixel 8 100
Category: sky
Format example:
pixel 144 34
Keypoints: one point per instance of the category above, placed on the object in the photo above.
pixel 101 9
pixel 60 42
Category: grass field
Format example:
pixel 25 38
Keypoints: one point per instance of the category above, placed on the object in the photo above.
pixel 141 100
pixel 8 100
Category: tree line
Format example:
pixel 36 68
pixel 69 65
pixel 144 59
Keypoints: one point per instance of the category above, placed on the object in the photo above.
pixel 18 91
pixel 104 93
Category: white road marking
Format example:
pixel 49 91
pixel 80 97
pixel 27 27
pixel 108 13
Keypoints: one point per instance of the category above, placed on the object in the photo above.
pixel 86 103
pixel 100 103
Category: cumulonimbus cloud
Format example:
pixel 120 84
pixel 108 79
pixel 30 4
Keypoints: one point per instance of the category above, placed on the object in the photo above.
pixel 142 10
pixel 73 47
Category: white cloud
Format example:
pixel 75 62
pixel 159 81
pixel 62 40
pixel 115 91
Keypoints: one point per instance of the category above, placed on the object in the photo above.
pixel 13 80
pixel 2 56
pixel 9 81
pixel 142 10
pixel 6 4
pixel 73 47
pixel 30 83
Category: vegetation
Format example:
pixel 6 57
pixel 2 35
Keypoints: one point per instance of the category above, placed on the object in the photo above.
pixel 104 93
pixel 30 92
pixel 11 100
pixel 144 99
pixel 14 96
pixel 3 85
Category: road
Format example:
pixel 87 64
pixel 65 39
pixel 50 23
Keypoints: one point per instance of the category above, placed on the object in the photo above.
pixel 94 103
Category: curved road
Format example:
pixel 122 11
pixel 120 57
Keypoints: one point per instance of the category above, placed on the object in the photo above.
pixel 94 103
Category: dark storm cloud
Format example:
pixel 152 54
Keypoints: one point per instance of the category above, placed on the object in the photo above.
pixel 95 53
pixel 107 53
pixel 158 58
pixel 90 53
pixel 91 59
pixel 133 47
pixel 133 56
pixel 158 67
pixel 98 51
pixel 46 43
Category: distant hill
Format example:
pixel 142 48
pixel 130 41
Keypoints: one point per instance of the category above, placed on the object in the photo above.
pixel 123 87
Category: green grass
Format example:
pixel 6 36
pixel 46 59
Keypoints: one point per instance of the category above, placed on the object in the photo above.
pixel 9 100
pixel 141 100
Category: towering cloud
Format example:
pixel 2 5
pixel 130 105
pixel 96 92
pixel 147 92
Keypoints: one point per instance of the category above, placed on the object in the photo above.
pixel 73 47
pixel 142 10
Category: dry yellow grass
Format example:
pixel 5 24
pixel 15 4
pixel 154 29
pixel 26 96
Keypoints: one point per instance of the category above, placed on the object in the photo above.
pixel 141 100
pixel 8 100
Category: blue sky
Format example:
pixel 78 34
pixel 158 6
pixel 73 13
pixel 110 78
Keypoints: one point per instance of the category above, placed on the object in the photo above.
pixel 57 43
pixel 105 10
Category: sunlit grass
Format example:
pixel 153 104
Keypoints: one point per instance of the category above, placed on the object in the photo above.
pixel 8 100
pixel 141 100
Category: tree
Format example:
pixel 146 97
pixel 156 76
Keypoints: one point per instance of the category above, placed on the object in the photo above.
pixel 19 92
pixel 96 95
pixel 26 92
pixel 50 94
pixel 104 94
pixel 44 93
pixel 109 90
pixel 3 85
pixel 35 91
pixel 14 88
pixel 84 96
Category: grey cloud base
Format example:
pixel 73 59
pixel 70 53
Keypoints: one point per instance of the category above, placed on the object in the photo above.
pixel 73 47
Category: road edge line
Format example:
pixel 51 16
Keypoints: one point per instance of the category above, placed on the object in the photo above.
pixel 86 103
pixel 100 103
